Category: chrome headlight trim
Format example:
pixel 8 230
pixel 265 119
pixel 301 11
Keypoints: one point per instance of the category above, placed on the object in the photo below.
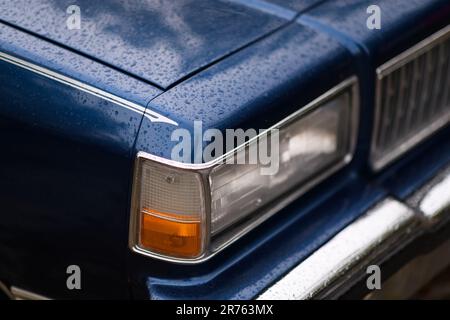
pixel 216 245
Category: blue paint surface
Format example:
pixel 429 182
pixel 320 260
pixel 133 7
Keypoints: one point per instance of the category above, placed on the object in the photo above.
pixel 403 23
pixel 65 171
pixel 159 41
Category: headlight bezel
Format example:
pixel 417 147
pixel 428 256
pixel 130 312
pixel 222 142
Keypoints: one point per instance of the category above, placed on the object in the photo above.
pixel 222 240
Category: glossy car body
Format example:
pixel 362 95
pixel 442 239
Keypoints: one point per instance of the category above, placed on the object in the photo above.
pixel 77 106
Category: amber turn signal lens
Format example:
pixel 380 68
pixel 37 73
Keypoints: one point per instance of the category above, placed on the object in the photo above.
pixel 171 234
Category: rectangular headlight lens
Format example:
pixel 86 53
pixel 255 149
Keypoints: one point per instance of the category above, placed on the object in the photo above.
pixel 307 146
pixel 187 212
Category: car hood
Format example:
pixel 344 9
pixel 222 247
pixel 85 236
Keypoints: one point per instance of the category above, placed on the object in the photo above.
pixel 161 42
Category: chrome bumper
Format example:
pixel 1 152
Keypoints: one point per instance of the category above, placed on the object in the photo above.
pixel 340 263
pixel 14 293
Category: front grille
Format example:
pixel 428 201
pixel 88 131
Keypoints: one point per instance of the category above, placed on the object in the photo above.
pixel 412 98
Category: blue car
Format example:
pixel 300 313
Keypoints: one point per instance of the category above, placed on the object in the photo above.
pixel 224 149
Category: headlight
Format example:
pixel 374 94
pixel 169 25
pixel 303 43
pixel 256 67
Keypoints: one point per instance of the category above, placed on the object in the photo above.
pixel 188 212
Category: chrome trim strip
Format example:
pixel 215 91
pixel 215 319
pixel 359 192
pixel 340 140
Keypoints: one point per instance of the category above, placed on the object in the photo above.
pixel 149 114
pixel 21 294
pixel 6 291
pixel 344 253
pixel 386 69
pixel 433 199
pixel 413 52
pixel 204 169
pixel 352 83
pixel 437 201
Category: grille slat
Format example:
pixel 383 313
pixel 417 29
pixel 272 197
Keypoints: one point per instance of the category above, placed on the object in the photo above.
pixel 447 86
pixel 398 94
pixel 440 59
pixel 413 98
pixel 404 85
pixel 406 100
pixel 431 83
pixel 424 94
